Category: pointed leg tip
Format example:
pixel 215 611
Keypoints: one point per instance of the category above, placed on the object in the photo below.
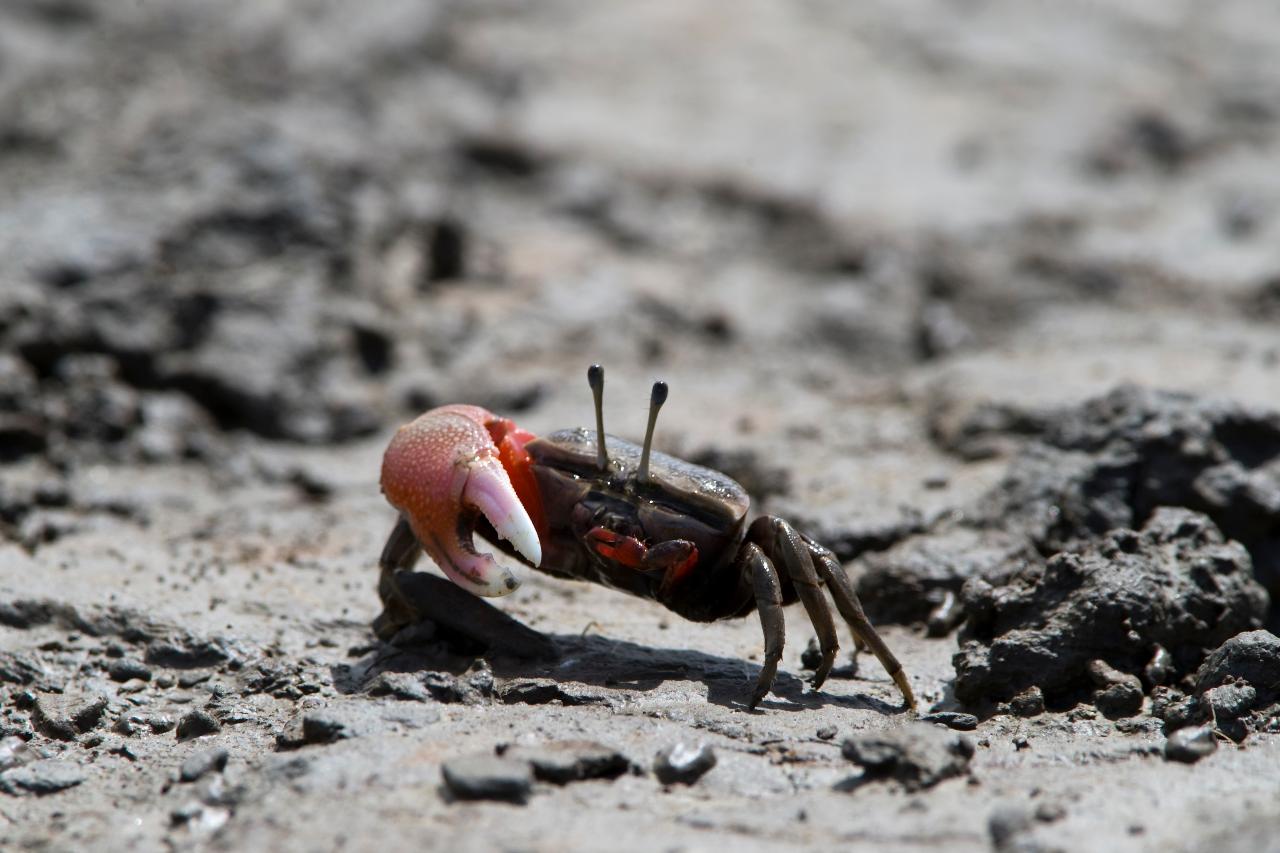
pixel 908 697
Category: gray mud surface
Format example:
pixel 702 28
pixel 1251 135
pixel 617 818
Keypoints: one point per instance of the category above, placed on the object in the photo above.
pixel 982 295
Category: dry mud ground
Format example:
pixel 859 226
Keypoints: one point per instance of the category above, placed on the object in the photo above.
pixel 882 252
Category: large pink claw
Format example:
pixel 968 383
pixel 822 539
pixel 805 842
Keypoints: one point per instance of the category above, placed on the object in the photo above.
pixel 447 465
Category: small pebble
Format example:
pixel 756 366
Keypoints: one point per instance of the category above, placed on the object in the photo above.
pixel 946 616
pixel 563 762
pixel 205 761
pixel 1006 822
pixel 15 751
pixel 1190 745
pixel 1160 668
pixel 1229 701
pixel 811 657
pixel 683 763
pixel 126 669
pixel 313 727
pixel 160 723
pixel 827 732
pixel 952 720
pixel 1028 703
pixel 485 777
pixel 197 724
pixel 1050 812
pixel 187 680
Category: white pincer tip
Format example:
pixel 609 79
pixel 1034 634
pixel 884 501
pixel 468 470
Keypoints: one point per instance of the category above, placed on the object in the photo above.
pixel 489 490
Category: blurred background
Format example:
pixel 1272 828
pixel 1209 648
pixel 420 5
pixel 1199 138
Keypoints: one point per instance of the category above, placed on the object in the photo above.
pixel 303 222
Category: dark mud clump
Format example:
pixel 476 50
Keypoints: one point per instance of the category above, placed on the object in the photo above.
pixel 911 581
pixel 1082 472
pixel 1176 585
pixel 1234 692
pixel 1251 658
pixel 1113 461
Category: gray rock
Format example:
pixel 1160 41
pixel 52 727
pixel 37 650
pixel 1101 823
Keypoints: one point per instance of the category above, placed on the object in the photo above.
pixel 196 724
pixel 186 652
pixel 1112 461
pixel 203 762
pixel 916 756
pixel 160 723
pixel 1190 745
pixel 41 778
pixel 401 685
pixel 313 727
pixel 486 777
pixel 14 752
pixel 952 720
pixel 562 762
pixel 126 669
pixel 683 763
pixel 1006 822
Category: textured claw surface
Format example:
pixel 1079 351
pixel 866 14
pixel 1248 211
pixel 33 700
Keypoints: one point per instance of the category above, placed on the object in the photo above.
pixel 441 469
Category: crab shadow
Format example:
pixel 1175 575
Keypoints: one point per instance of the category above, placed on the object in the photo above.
pixel 597 669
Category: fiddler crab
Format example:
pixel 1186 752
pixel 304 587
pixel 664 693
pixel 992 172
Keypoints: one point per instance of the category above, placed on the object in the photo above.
pixel 584 505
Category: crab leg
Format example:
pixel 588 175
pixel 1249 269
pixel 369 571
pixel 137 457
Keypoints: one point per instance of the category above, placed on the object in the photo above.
pixel 768 593
pixel 782 544
pixel 846 599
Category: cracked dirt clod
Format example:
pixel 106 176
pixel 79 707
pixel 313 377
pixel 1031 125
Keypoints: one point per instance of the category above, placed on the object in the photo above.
pixel 1085 470
pixel 1176 583
pixel 41 777
pixel 486 777
pixel 66 716
pixel 1114 460
pixel 916 756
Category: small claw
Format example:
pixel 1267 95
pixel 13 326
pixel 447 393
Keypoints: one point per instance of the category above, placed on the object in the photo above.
pixel 438 471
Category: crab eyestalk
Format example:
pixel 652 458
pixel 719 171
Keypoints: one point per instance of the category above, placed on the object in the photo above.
pixel 595 378
pixel 450 464
pixel 656 398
